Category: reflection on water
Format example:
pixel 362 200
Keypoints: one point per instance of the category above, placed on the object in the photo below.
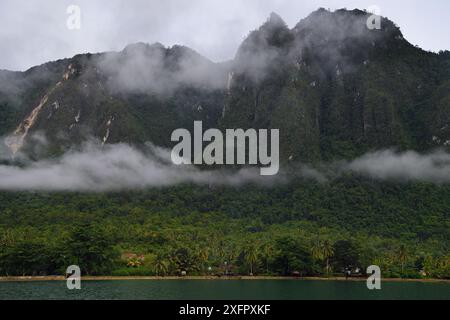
pixel 223 290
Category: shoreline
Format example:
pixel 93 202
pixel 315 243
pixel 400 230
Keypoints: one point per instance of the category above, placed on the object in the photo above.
pixel 212 278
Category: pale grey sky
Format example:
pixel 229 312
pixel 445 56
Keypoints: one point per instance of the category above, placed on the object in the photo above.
pixel 34 31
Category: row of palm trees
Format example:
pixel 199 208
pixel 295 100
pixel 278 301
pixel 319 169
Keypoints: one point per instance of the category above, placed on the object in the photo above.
pixel 252 255
pixel 255 254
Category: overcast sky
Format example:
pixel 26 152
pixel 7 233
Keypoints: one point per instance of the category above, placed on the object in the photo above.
pixel 34 31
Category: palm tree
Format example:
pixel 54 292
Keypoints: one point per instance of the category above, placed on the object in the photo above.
pixel 327 253
pixel 230 253
pixel 251 257
pixel 268 253
pixel 316 250
pixel 402 256
pixel 322 251
pixel 221 251
pixel 161 266
pixel 203 257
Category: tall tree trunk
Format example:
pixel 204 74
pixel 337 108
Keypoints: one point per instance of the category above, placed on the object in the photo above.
pixel 328 266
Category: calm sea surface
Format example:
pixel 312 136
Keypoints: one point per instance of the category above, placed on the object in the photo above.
pixel 223 290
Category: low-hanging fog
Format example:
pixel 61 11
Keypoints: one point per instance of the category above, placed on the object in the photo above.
pixel 94 168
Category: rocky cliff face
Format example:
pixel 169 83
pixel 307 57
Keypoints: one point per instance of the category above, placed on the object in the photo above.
pixel 140 94
pixel 337 89
pixel 334 88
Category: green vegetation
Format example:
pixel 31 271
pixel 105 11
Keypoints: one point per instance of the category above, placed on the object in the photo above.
pixel 334 95
pixel 303 228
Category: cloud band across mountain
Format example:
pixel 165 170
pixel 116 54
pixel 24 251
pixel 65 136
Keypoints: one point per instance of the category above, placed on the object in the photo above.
pixel 121 167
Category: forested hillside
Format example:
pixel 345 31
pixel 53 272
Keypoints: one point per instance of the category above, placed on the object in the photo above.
pixel 268 231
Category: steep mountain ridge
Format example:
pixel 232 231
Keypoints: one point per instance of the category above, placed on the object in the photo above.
pixel 334 88
pixel 338 89
pixel 140 94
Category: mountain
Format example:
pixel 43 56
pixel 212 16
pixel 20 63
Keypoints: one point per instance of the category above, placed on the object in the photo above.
pixel 140 94
pixel 334 88
pixel 338 89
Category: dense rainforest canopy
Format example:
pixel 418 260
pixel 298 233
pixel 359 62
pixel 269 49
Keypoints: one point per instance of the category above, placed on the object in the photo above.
pixel 306 227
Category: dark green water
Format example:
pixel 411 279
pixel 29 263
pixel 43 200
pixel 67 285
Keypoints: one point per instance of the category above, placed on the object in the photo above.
pixel 223 290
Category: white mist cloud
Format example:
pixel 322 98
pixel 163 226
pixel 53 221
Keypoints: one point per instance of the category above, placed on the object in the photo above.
pixel 143 68
pixel 37 144
pixel 407 166
pixel 120 167
pixel 116 167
